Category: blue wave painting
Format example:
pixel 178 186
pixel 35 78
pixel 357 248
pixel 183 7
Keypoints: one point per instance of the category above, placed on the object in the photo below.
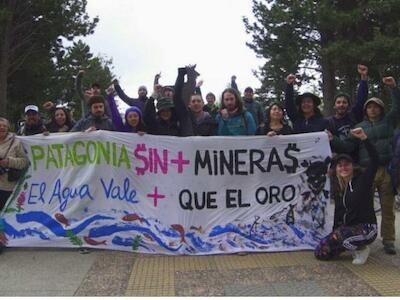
pixel 101 231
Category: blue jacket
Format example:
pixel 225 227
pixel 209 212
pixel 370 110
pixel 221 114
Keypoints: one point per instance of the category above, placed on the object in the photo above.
pixel 240 124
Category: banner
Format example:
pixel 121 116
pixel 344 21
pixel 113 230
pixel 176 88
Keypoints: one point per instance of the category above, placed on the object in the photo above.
pixel 171 195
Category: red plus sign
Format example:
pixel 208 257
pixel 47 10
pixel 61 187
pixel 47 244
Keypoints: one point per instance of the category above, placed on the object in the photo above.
pixel 155 196
pixel 180 162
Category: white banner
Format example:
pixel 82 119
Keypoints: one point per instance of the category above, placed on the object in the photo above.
pixel 170 195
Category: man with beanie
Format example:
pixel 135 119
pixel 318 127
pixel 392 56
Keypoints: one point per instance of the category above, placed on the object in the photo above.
pixel 97 119
pixel 139 102
pixel 344 118
pixel 379 128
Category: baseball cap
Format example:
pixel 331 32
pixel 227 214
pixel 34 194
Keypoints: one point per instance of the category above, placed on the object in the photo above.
pixel 31 108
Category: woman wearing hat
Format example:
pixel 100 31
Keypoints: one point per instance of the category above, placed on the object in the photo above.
pixel 133 115
pixel 303 112
pixel 274 124
pixel 355 224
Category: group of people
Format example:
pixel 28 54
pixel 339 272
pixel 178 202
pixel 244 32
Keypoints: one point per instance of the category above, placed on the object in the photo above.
pixel 361 134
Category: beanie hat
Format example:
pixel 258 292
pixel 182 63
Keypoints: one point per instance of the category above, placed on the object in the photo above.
pixel 375 100
pixel 142 87
pixel 248 90
pixel 167 88
pixel 165 103
pixel 133 109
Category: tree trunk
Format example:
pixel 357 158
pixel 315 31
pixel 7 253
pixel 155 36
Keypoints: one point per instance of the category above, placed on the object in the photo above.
pixel 4 66
pixel 328 85
pixel 5 44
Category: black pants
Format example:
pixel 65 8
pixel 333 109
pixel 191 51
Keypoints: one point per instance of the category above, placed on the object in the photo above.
pixel 4 195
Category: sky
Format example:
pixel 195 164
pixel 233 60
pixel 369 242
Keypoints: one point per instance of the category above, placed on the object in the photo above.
pixel 145 37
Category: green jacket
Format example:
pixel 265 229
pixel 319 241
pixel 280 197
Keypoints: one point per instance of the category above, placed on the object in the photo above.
pixel 379 133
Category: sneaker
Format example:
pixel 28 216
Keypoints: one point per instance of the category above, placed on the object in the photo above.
pixel 389 248
pixel 360 256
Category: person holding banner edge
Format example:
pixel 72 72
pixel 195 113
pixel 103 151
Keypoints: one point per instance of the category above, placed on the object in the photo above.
pixel 355 224
pixel 12 155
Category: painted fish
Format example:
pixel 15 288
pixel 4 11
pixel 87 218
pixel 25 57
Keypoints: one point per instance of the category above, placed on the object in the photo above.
pixel 172 244
pixel 92 242
pixel 241 226
pixel 133 217
pixel 198 229
pixel 60 218
pixel 179 228
pixel 222 247
pixel 148 237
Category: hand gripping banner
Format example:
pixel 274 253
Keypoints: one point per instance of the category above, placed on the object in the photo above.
pixel 169 195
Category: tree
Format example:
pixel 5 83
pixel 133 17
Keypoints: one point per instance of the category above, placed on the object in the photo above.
pixel 78 57
pixel 328 38
pixel 31 33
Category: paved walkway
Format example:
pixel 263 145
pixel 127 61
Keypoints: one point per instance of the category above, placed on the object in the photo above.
pixel 60 272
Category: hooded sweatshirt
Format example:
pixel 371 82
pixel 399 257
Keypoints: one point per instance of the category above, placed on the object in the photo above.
pixel 17 159
pixel 380 134
pixel 117 120
pixel 355 205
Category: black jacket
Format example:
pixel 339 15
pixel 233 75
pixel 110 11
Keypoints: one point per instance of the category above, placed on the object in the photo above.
pixel 300 124
pixel 355 205
pixel 180 123
pixel 206 126
pixel 139 102
pixel 103 123
pixel 285 130
pixel 32 130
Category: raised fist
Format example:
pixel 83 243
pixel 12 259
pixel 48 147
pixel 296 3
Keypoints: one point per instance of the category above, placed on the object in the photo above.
pixel 389 81
pixel 191 71
pixel 233 78
pixel 359 133
pixel 224 114
pixel 158 76
pixel 363 71
pixel 48 105
pixel 158 88
pixel 110 90
pixel 291 78
pixel 199 83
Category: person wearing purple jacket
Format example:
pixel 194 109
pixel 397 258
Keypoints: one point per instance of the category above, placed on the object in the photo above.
pixel 133 116
pixel 344 118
